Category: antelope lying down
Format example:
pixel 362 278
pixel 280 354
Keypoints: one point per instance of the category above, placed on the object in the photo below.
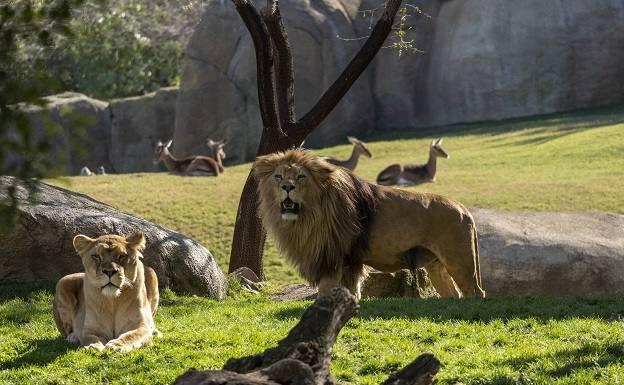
pixel 195 165
pixel 359 148
pixel 414 174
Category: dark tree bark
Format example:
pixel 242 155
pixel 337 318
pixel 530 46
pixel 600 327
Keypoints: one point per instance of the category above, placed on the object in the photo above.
pixel 304 356
pixel 281 130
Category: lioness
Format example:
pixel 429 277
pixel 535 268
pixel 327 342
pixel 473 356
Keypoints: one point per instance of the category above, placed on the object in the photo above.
pixel 331 224
pixel 110 305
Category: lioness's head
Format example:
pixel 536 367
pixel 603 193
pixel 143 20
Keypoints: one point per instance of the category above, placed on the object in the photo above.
pixel 110 260
pixel 289 181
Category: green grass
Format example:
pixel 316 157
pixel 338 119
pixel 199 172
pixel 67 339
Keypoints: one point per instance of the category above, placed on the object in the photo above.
pixel 566 162
pixel 493 341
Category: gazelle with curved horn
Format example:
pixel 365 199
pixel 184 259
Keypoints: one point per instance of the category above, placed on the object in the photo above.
pixel 195 165
pixel 359 148
pixel 414 174
pixel 218 153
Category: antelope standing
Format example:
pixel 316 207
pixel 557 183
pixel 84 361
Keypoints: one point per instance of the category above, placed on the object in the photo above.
pixel 359 148
pixel 195 165
pixel 414 174
pixel 217 152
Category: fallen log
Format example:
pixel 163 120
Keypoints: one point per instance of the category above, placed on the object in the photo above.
pixel 304 356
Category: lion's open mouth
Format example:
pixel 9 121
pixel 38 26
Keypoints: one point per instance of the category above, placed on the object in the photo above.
pixel 289 207
pixel 110 284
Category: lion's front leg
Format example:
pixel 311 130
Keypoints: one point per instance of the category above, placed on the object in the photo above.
pixel 92 341
pixel 130 340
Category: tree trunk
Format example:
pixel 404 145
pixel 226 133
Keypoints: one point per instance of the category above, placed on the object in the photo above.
pixel 277 108
pixel 248 241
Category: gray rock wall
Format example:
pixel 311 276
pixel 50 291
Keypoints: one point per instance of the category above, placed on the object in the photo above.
pixel 119 135
pixel 81 131
pixel 138 123
pixel 482 60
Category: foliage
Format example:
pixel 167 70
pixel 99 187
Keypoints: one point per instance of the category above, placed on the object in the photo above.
pixel 26 26
pixel 122 47
pixel 564 162
pixel 494 341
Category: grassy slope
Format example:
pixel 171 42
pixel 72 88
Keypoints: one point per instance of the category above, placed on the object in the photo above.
pixel 576 164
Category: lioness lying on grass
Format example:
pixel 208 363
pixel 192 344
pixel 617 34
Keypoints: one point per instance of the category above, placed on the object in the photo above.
pixel 110 305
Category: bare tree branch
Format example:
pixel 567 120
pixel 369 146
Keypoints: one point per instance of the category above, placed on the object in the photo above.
pixel 339 88
pixel 285 82
pixel 264 63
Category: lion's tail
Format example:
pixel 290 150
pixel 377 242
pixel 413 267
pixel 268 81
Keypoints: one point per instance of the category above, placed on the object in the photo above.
pixel 476 246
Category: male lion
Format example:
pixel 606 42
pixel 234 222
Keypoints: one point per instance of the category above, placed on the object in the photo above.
pixel 112 304
pixel 331 224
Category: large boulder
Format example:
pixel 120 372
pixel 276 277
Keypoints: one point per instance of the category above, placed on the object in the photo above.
pixel 551 254
pixel 39 249
pixel 481 60
pixel 138 123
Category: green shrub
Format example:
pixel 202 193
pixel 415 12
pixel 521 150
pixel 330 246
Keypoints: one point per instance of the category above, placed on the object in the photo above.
pixel 121 47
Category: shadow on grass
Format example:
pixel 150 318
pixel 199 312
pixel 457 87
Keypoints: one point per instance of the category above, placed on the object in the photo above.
pixel 556 125
pixel 487 310
pixel 39 353
pixel 9 292
pixel 570 361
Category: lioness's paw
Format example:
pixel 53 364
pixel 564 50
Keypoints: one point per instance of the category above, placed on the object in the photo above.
pixel 73 338
pixel 95 346
pixel 118 346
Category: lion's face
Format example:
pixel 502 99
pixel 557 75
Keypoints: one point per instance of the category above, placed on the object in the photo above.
pixel 110 261
pixel 290 183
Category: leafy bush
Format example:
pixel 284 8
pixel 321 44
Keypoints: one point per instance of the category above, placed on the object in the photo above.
pixel 121 47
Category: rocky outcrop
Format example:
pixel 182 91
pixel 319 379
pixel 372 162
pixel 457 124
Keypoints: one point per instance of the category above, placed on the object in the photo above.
pixel 138 123
pixel 120 135
pixel 39 249
pixel 504 58
pixel 79 129
pixel 551 254
pixel 481 60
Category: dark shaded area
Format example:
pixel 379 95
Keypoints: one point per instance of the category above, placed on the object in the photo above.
pixel 485 310
pixel 39 353
pixel 552 125
pixel 585 357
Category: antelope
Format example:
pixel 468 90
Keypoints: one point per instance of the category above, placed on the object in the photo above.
pixel 193 165
pixel 217 152
pixel 414 174
pixel 85 171
pixel 359 148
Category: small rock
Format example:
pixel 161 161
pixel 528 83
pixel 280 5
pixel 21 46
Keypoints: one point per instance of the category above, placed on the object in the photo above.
pixel 296 292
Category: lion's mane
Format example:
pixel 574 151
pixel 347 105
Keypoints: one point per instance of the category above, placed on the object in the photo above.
pixel 331 232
